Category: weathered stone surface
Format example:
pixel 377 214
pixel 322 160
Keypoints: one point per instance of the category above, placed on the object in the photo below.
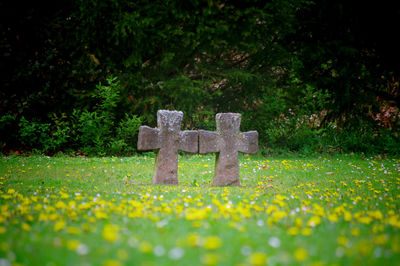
pixel 167 139
pixel 227 142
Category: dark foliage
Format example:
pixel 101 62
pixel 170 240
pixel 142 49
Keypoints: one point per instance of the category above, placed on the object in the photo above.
pixel 309 76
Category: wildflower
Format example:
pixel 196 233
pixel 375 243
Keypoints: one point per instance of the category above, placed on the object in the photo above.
pixel 278 215
pixel 26 227
pixel 212 242
pixel 59 225
pixel 64 195
pixel 347 216
pixel 73 230
pixel 306 231
pixel 365 220
pixel 73 244
pixel 61 205
pixel 300 254
pixel 298 221
pixel 343 241
pixel 293 231
pixel 355 232
pixel 196 214
pixel 333 218
pixel 258 258
pixel 145 247
pixel 210 259
pixel 380 239
pixel 159 251
pixel 82 249
pixel 314 221
pixel 110 232
pixel 122 254
pixel 364 247
pixel 176 253
pixel 112 263
pixel 274 242
pixel 194 240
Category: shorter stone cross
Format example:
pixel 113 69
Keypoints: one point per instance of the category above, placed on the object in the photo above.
pixel 226 142
pixel 167 139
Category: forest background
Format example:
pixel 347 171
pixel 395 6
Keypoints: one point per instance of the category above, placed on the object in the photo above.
pixel 309 76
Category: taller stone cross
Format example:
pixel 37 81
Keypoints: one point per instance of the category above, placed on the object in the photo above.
pixel 167 139
pixel 227 142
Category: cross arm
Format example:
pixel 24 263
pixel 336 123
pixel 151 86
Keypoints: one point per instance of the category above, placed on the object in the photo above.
pixel 148 138
pixel 208 141
pixel 248 142
pixel 189 141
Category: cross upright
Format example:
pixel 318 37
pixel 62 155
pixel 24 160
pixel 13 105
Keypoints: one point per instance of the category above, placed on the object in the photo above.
pixel 227 142
pixel 167 139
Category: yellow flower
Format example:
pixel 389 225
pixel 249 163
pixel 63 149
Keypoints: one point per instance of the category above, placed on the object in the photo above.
pixel 258 258
pixel 61 205
pixel 101 215
pixel 196 214
pixel 73 244
pixel 278 215
pixel 26 227
pixel 64 195
pixel 355 232
pixel 194 240
pixel 306 231
pixel 122 254
pixel 84 206
pixel 333 218
pixel 72 204
pixel 376 215
pixel 347 216
pixel 300 254
pixel 299 222
pixel 210 259
pixel 73 230
pixel 314 221
pixel 380 239
pixel 2 230
pixel 112 263
pixel 364 247
pixel 110 232
pixel 212 242
pixel 343 241
pixel 145 247
pixel 59 225
pixel 293 231
pixel 365 220
pixel 4 246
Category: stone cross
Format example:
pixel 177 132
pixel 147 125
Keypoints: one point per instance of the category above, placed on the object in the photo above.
pixel 227 142
pixel 167 139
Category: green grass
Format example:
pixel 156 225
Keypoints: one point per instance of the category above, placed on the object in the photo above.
pixel 104 211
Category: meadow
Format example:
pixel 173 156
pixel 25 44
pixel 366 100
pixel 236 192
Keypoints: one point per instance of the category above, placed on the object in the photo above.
pixel 322 210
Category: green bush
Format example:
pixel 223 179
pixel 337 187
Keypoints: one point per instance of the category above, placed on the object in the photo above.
pixel 365 139
pixel 99 131
pixel 35 135
pixel 126 135
pixel 290 124
pixel 95 131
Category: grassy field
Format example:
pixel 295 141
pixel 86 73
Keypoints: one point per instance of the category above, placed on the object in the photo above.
pixel 342 210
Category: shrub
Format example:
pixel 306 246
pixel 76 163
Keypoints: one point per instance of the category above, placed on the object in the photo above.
pixel 126 135
pixel 35 135
pixel 99 130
